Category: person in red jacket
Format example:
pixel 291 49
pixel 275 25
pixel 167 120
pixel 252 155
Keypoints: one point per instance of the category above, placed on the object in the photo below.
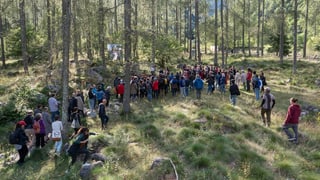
pixel 248 79
pixel 120 90
pixel 292 120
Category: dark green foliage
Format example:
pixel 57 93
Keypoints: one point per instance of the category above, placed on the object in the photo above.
pixel 274 40
pixel 9 113
pixel 202 161
pixel 36 44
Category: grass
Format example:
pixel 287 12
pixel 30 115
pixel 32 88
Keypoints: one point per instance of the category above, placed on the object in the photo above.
pixel 232 144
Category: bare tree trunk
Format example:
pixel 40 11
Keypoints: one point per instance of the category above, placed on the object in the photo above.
pixel 49 37
pixel 306 29
pixel 153 24
pixel 136 38
pixel 116 16
pixel 282 21
pixel 66 21
pixel 234 29
pixel 222 35
pixel 215 61
pixel 101 33
pixel 75 37
pixel 177 23
pixel 249 24
pixel 262 28
pixel 243 25
pixel 23 36
pixel 227 32
pixel 127 54
pixel 167 18
pixel 198 31
pixel 190 31
pixel 205 31
pixel 258 30
pixel 295 22
pixel 3 56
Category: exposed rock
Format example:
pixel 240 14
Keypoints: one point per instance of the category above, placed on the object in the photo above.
pixel 202 120
pixel 86 169
pixel 98 157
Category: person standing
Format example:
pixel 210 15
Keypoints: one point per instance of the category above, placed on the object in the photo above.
pixel 234 92
pixel 39 130
pixel 102 114
pixel 292 120
pixel 248 79
pixel 53 106
pixel 47 121
pixel 28 129
pixel 198 85
pixel 56 135
pixel 120 91
pixel 256 84
pixel 22 141
pixel 268 102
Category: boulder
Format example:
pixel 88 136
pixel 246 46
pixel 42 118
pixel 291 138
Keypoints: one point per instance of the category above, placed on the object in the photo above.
pixel 98 157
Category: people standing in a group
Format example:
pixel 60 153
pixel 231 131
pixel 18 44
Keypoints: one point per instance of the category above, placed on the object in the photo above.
pixel 29 120
pixel 248 79
pixel 22 141
pixel 56 134
pixel 267 104
pixel 53 106
pixel 292 120
pixel 102 114
pixel 234 92
pixel 39 130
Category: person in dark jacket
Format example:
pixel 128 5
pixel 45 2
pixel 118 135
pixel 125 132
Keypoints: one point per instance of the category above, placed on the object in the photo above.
pixel 23 140
pixel 79 146
pixel 292 120
pixel 29 128
pixel 267 104
pixel 102 114
pixel 234 92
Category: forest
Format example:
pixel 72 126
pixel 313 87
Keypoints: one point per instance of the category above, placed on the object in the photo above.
pixel 51 40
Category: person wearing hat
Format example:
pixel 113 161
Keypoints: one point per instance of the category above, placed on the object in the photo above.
pixel 29 128
pixel 267 104
pixel 22 141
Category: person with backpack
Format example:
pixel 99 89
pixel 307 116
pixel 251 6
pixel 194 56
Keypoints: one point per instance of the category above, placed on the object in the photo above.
pixel 21 141
pixel 292 120
pixel 198 85
pixel 102 114
pixel 234 92
pixel 256 83
pixel 267 104
pixel 39 130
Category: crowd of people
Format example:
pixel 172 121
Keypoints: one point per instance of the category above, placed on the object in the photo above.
pixel 44 123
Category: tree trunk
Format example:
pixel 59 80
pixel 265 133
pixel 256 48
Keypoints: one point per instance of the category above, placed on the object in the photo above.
pixel 249 24
pixel 116 16
pixel 23 36
pixel 306 30
pixel 177 24
pixel 167 18
pixel 127 54
pixel 262 28
pixel 258 30
pixel 136 37
pixel 101 33
pixel 198 30
pixel 243 25
pixel 3 56
pixel 295 22
pixel 75 37
pixel 153 24
pixel 227 32
pixel 282 21
pixel 49 38
pixel 205 31
pixel 234 29
pixel 222 34
pixel 66 20
pixel 215 61
pixel 190 31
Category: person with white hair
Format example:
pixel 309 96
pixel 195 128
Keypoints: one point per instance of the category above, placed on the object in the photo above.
pixel 267 104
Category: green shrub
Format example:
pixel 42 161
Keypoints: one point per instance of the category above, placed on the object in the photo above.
pixel 9 113
pixel 198 148
pixel 186 133
pixel 151 131
pixel 202 161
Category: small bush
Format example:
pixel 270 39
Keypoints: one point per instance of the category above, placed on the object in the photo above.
pixel 9 113
pixel 150 131
pixel 202 162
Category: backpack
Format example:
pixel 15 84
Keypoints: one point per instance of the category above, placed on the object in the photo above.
pixel 256 83
pixel 36 127
pixel 13 138
pixel 198 84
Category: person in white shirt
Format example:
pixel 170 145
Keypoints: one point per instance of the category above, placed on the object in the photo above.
pixel 53 106
pixel 56 135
